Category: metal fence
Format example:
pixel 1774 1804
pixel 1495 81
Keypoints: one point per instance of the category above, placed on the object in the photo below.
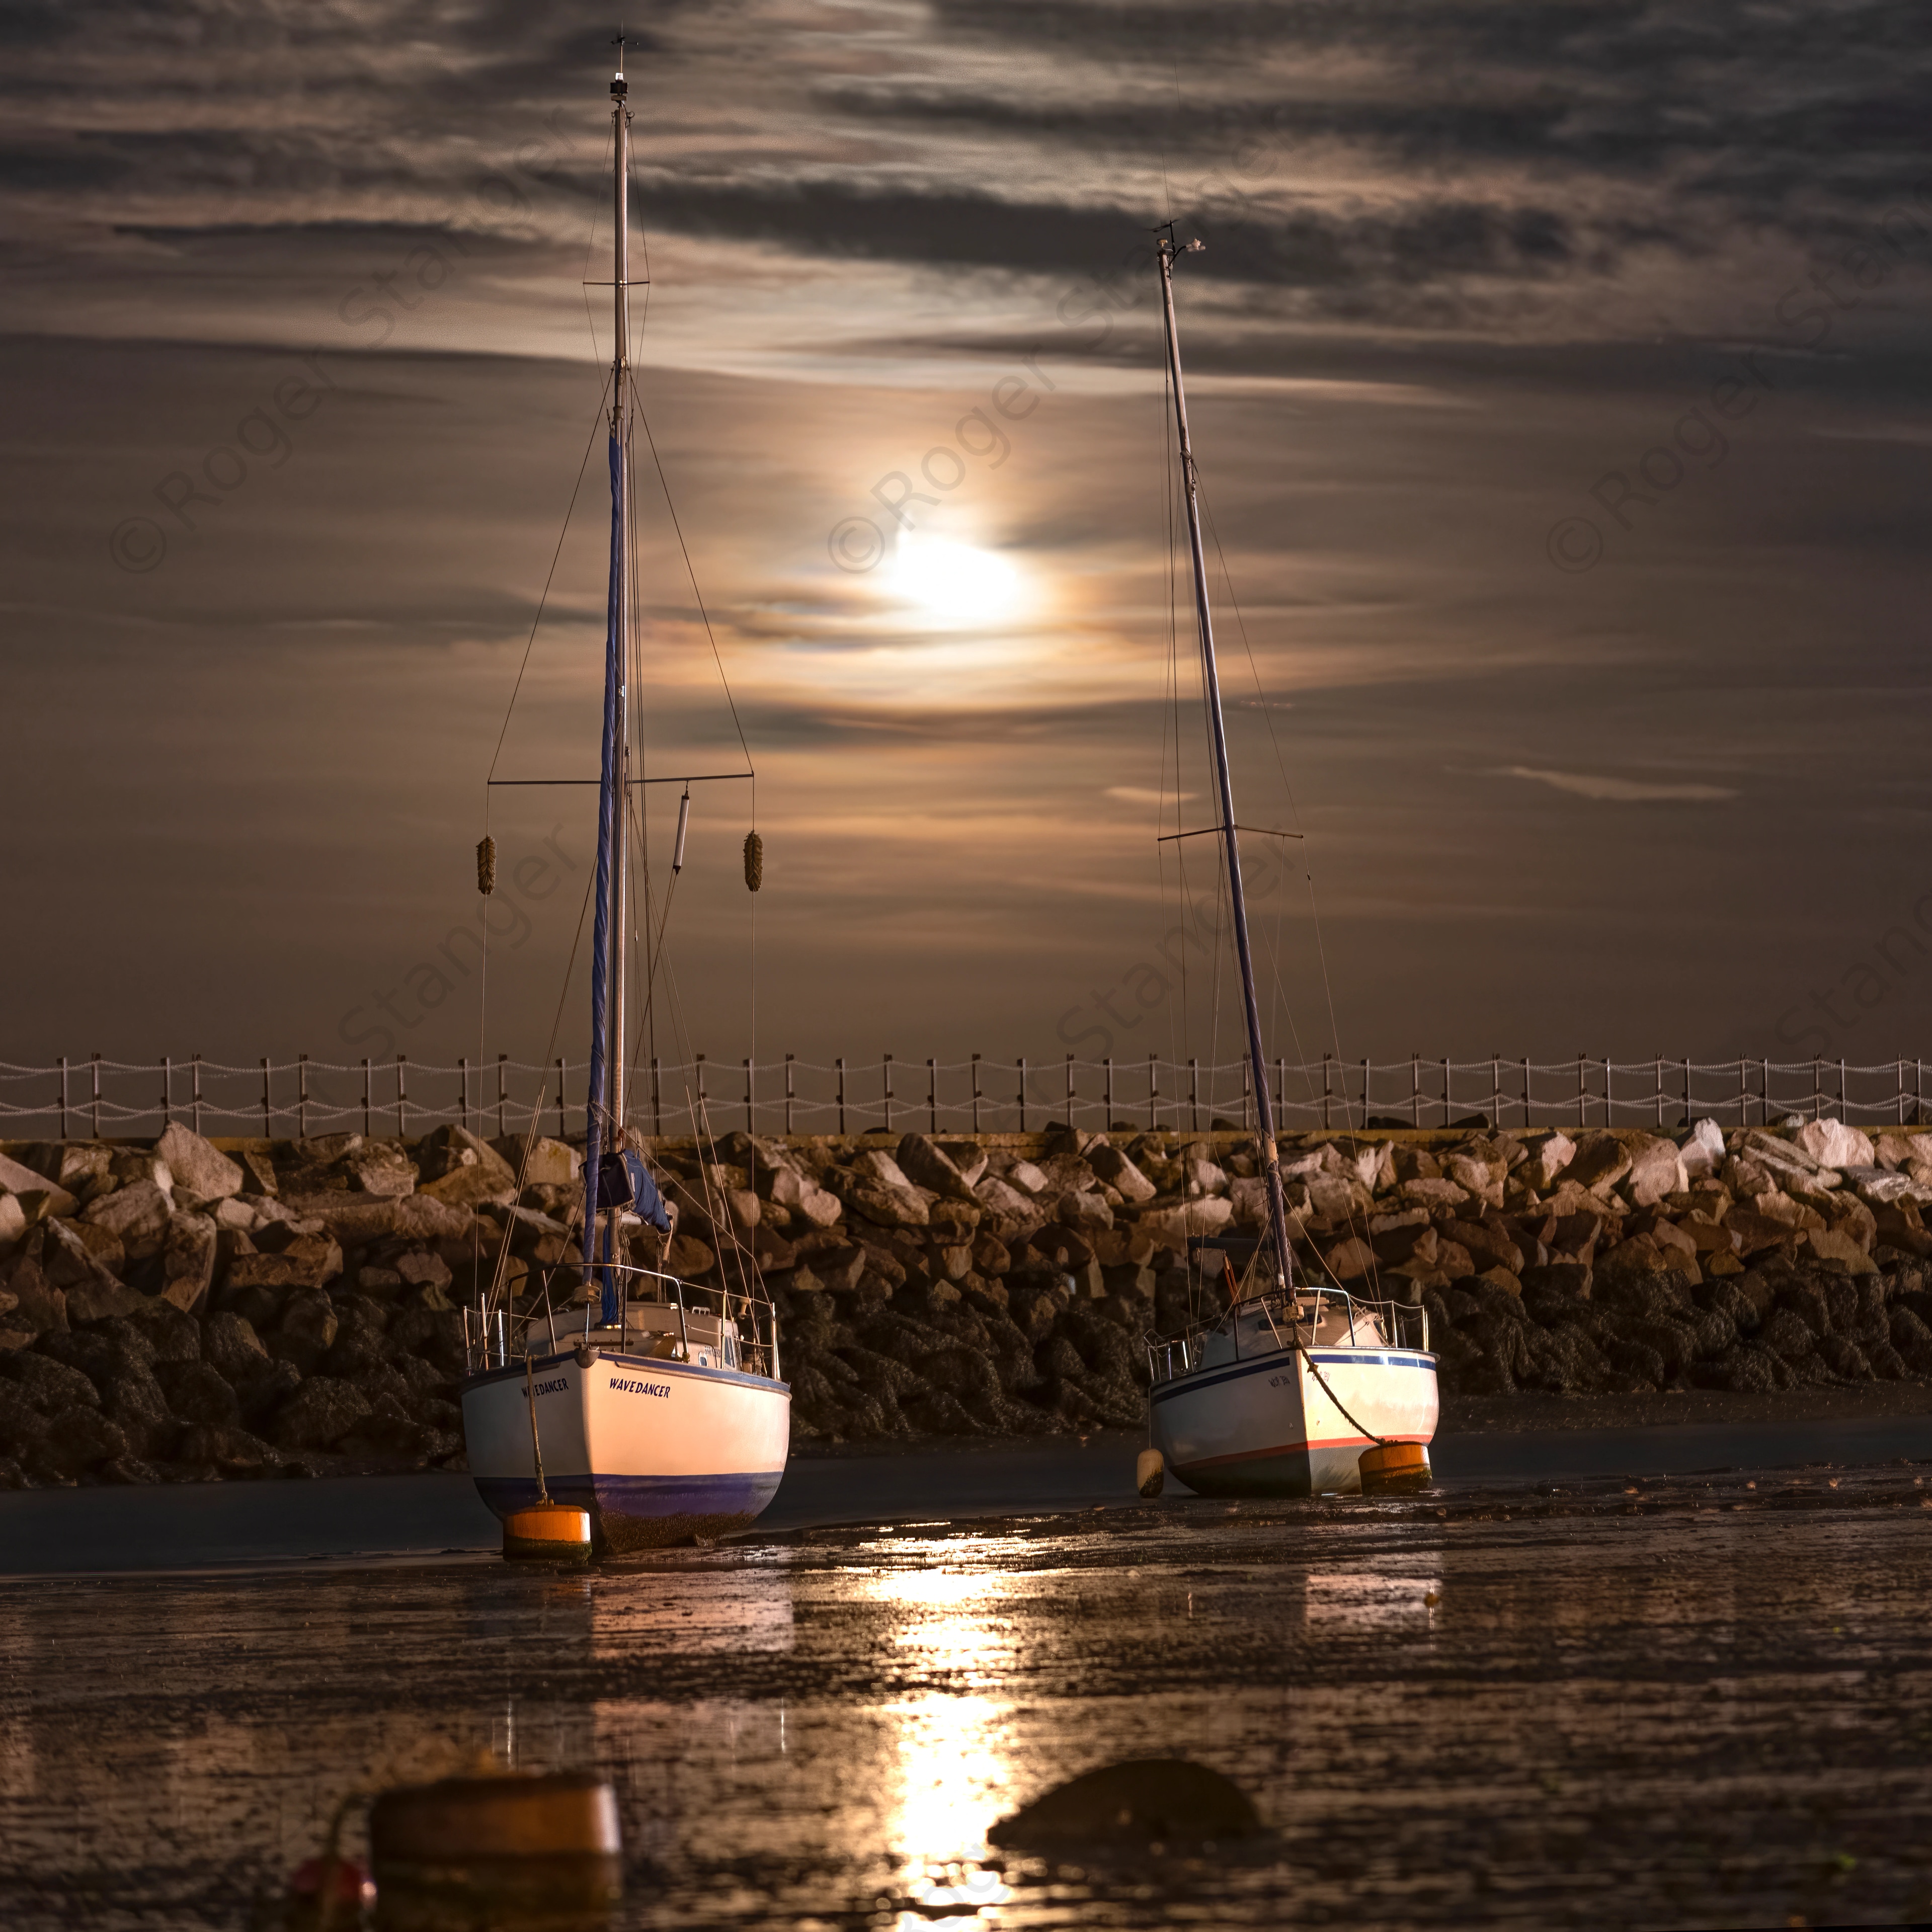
pixel 288 1098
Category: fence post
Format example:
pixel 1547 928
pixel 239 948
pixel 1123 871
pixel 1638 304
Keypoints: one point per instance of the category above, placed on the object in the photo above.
pixel 365 1097
pixel 1901 1093
pixel 1687 1092
pixel 1070 1090
pixel 788 1092
pixel 462 1077
pixel 1582 1111
pixel 559 1094
pixel 1609 1114
pixel 1659 1085
pixel 886 1081
pixel 1247 1094
pixel 1526 1116
pixel 1918 1094
pixel 268 1106
pixel 195 1063
pixel 1325 1120
pixel 301 1095
pixel 1107 1071
pixel 1365 1091
pixel 931 1094
pixel 657 1099
pixel 1194 1095
pixel 402 1097
pixel 167 1091
pixel 1415 1090
pixel 1446 1108
pixel 1817 1087
pixel 976 1093
pixel 502 1097
pixel 1842 1107
pixel 1280 1092
pixel 840 1064
pixel 63 1096
pixel 1021 1065
pixel 1764 1094
pixel 699 1111
pixel 750 1080
pixel 1153 1095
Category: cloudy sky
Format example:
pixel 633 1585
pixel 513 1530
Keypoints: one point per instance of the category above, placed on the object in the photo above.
pixel 1559 376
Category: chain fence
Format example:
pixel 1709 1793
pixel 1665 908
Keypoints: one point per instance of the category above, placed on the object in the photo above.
pixel 289 1099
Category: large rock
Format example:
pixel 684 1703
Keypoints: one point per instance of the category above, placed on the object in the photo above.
pixel 1832 1144
pixel 15 1179
pixel 78 1439
pixel 355 1220
pixel 231 1345
pixel 465 1172
pixel 1113 1166
pixel 50 1385
pixel 92 1293
pixel 319 1415
pixel 1545 1158
pixel 1839 1251
pixel 382 1168
pixel 1600 1161
pixel 199 1168
pixel 1703 1151
pixel 199 1392
pixel 923 1163
pixel 137 1214
pixel 543 1163
pixel 187 1260
pixel 37 1305
pixel 1170 1226
pixel 1007 1213
pixel 1656 1170
pixel 803 1197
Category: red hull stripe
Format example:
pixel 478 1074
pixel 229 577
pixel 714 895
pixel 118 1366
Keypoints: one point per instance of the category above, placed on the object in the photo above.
pixel 1291 1449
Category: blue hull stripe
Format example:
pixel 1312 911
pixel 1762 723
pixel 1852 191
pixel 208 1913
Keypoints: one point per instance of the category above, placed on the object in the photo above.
pixel 640 1499
pixel 1190 1383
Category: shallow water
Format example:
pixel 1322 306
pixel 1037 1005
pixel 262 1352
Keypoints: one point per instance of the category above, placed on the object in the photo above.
pixel 1699 1703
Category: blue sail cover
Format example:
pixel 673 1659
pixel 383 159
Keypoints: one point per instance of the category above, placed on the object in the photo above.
pixel 626 1182
pixel 607 807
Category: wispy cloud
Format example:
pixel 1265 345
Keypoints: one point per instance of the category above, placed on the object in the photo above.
pixel 1621 791
pixel 1143 795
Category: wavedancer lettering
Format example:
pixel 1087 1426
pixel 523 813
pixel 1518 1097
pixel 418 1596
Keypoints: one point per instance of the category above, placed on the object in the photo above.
pixel 640 1388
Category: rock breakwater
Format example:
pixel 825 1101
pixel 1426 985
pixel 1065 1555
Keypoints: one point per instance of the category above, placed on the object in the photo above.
pixel 188 1310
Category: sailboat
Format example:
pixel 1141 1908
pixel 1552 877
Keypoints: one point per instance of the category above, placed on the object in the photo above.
pixel 664 1417
pixel 1298 1387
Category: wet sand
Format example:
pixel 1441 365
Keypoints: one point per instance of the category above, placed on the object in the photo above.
pixel 1689 1700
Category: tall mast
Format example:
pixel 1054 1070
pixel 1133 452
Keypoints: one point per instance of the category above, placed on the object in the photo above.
pixel 1168 251
pixel 604 1109
pixel 620 408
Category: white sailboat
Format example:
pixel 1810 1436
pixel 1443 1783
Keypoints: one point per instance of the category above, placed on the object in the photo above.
pixel 1298 1388
pixel 664 1417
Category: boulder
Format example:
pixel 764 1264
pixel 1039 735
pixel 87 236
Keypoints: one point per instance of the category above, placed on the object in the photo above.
pixel 1424 1192
pixel 1839 1251
pixel 132 1398
pixel 15 1179
pixel 1656 1170
pixel 1831 1144
pixel 199 1168
pixel 543 1163
pixel 319 1415
pixel 1702 1150
pixel 49 1384
pixel 1113 1167
pixel 1350 1260
pixel 78 1439
pixel 1008 1213
pixel 230 1344
pixel 187 1260
pixel 381 1169
pixel 1600 1161
pixel 922 1162
pixel 802 1196
pixel 37 1305
pixel 137 1214
pixel 1170 1226
pixel 12 1223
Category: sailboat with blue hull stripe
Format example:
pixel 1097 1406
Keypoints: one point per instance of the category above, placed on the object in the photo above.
pixel 665 1417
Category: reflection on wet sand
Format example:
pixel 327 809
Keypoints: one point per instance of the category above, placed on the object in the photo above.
pixel 1491 1714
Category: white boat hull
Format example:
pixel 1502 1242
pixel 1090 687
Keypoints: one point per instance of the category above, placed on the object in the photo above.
pixel 657 1451
pixel 1265 1426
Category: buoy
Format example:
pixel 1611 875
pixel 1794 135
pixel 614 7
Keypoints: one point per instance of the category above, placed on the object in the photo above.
pixel 1150 1473
pixel 1395 1465
pixel 503 1851
pixel 548 1533
pixel 754 862
pixel 1148 1800
pixel 486 866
